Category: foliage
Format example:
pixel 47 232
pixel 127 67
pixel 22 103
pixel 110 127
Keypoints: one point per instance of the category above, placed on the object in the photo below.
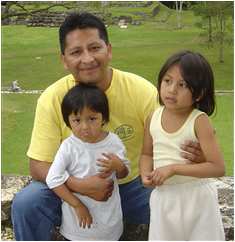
pixel 217 17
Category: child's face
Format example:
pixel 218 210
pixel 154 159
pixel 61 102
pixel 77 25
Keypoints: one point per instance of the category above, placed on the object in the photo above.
pixel 174 91
pixel 87 125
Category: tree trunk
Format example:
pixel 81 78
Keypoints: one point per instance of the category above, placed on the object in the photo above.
pixel 210 29
pixel 178 12
pixel 221 39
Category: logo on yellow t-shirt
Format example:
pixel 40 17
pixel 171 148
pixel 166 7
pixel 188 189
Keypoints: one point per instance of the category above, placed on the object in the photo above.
pixel 125 132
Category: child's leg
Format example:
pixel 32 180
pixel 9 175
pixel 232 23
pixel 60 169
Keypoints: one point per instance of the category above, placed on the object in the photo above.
pixel 207 225
pixel 166 214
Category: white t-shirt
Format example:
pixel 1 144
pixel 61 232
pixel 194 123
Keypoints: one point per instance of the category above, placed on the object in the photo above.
pixel 78 158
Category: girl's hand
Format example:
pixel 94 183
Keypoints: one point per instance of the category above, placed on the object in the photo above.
pixel 159 175
pixel 109 164
pixel 147 181
pixel 84 216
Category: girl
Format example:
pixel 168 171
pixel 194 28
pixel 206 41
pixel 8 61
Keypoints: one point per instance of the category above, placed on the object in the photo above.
pixel 184 203
pixel 87 151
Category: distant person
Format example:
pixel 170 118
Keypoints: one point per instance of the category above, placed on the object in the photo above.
pixel 88 151
pixel 184 202
pixel 15 86
pixel 86 54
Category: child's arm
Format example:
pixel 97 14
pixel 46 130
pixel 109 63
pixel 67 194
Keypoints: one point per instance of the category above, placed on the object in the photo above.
pixel 214 165
pixel 146 158
pixel 81 210
pixel 113 163
pixel 56 178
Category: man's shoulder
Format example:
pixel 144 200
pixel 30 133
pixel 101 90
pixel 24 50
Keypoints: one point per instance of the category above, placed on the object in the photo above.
pixel 58 89
pixel 132 79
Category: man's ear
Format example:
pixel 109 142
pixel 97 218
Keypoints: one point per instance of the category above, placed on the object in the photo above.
pixel 62 57
pixel 110 55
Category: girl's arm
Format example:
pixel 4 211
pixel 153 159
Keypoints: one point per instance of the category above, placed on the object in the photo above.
pixel 146 157
pixel 214 165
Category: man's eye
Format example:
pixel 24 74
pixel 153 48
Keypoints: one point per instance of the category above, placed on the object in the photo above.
pixel 76 52
pixel 95 48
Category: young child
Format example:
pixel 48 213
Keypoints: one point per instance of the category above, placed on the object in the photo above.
pixel 87 151
pixel 184 203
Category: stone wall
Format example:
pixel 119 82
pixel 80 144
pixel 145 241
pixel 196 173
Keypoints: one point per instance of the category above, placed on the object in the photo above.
pixel 47 19
pixel 12 184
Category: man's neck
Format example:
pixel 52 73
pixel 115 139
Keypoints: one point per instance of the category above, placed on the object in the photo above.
pixel 107 82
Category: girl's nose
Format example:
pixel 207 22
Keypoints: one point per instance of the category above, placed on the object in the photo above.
pixel 173 88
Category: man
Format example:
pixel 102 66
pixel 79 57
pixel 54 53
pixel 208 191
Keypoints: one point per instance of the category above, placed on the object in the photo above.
pixel 86 53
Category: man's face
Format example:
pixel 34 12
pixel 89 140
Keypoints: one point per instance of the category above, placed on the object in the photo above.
pixel 87 56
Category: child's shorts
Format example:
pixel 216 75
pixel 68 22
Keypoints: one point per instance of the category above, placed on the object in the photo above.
pixel 187 211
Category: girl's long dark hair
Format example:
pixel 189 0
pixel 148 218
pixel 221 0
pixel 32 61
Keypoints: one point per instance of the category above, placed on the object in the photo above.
pixel 198 74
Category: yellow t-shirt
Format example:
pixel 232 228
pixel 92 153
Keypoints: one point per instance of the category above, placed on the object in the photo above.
pixel 131 99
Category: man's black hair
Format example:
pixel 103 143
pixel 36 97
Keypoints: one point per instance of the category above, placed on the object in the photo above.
pixel 198 74
pixel 81 96
pixel 81 21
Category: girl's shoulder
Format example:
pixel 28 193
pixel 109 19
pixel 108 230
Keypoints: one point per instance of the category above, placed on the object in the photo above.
pixel 203 124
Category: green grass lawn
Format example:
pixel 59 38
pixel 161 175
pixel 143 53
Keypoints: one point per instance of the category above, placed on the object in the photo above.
pixel 139 49
pixel 17 123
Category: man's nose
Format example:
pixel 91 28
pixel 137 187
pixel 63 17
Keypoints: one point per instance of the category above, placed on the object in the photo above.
pixel 86 57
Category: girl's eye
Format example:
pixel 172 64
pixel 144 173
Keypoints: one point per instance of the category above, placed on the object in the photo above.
pixel 93 118
pixel 166 80
pixel 183 85
pixel 77 120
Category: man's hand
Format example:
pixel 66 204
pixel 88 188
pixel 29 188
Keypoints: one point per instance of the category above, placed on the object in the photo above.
pixel 192 152
pixel 98 187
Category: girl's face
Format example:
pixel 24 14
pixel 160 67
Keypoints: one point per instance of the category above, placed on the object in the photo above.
pixel 87 125
pixel 174 91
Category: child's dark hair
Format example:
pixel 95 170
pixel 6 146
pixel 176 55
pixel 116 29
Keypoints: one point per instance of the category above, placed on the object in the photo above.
pixel 81 21
pixel 198 74
pixel 81 96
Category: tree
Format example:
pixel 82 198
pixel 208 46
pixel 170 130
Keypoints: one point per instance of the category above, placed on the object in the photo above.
pixel 214 16
pixel 178 8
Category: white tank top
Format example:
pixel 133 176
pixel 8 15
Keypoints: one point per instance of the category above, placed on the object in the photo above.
pixel 166 146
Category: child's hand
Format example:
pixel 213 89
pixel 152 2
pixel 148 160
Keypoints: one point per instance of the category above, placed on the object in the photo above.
pixel 159 175
pixel 109 164
pixel 147 180
pixel 84 216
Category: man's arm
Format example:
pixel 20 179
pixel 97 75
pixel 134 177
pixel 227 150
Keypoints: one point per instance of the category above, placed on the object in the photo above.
pixel 96 187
